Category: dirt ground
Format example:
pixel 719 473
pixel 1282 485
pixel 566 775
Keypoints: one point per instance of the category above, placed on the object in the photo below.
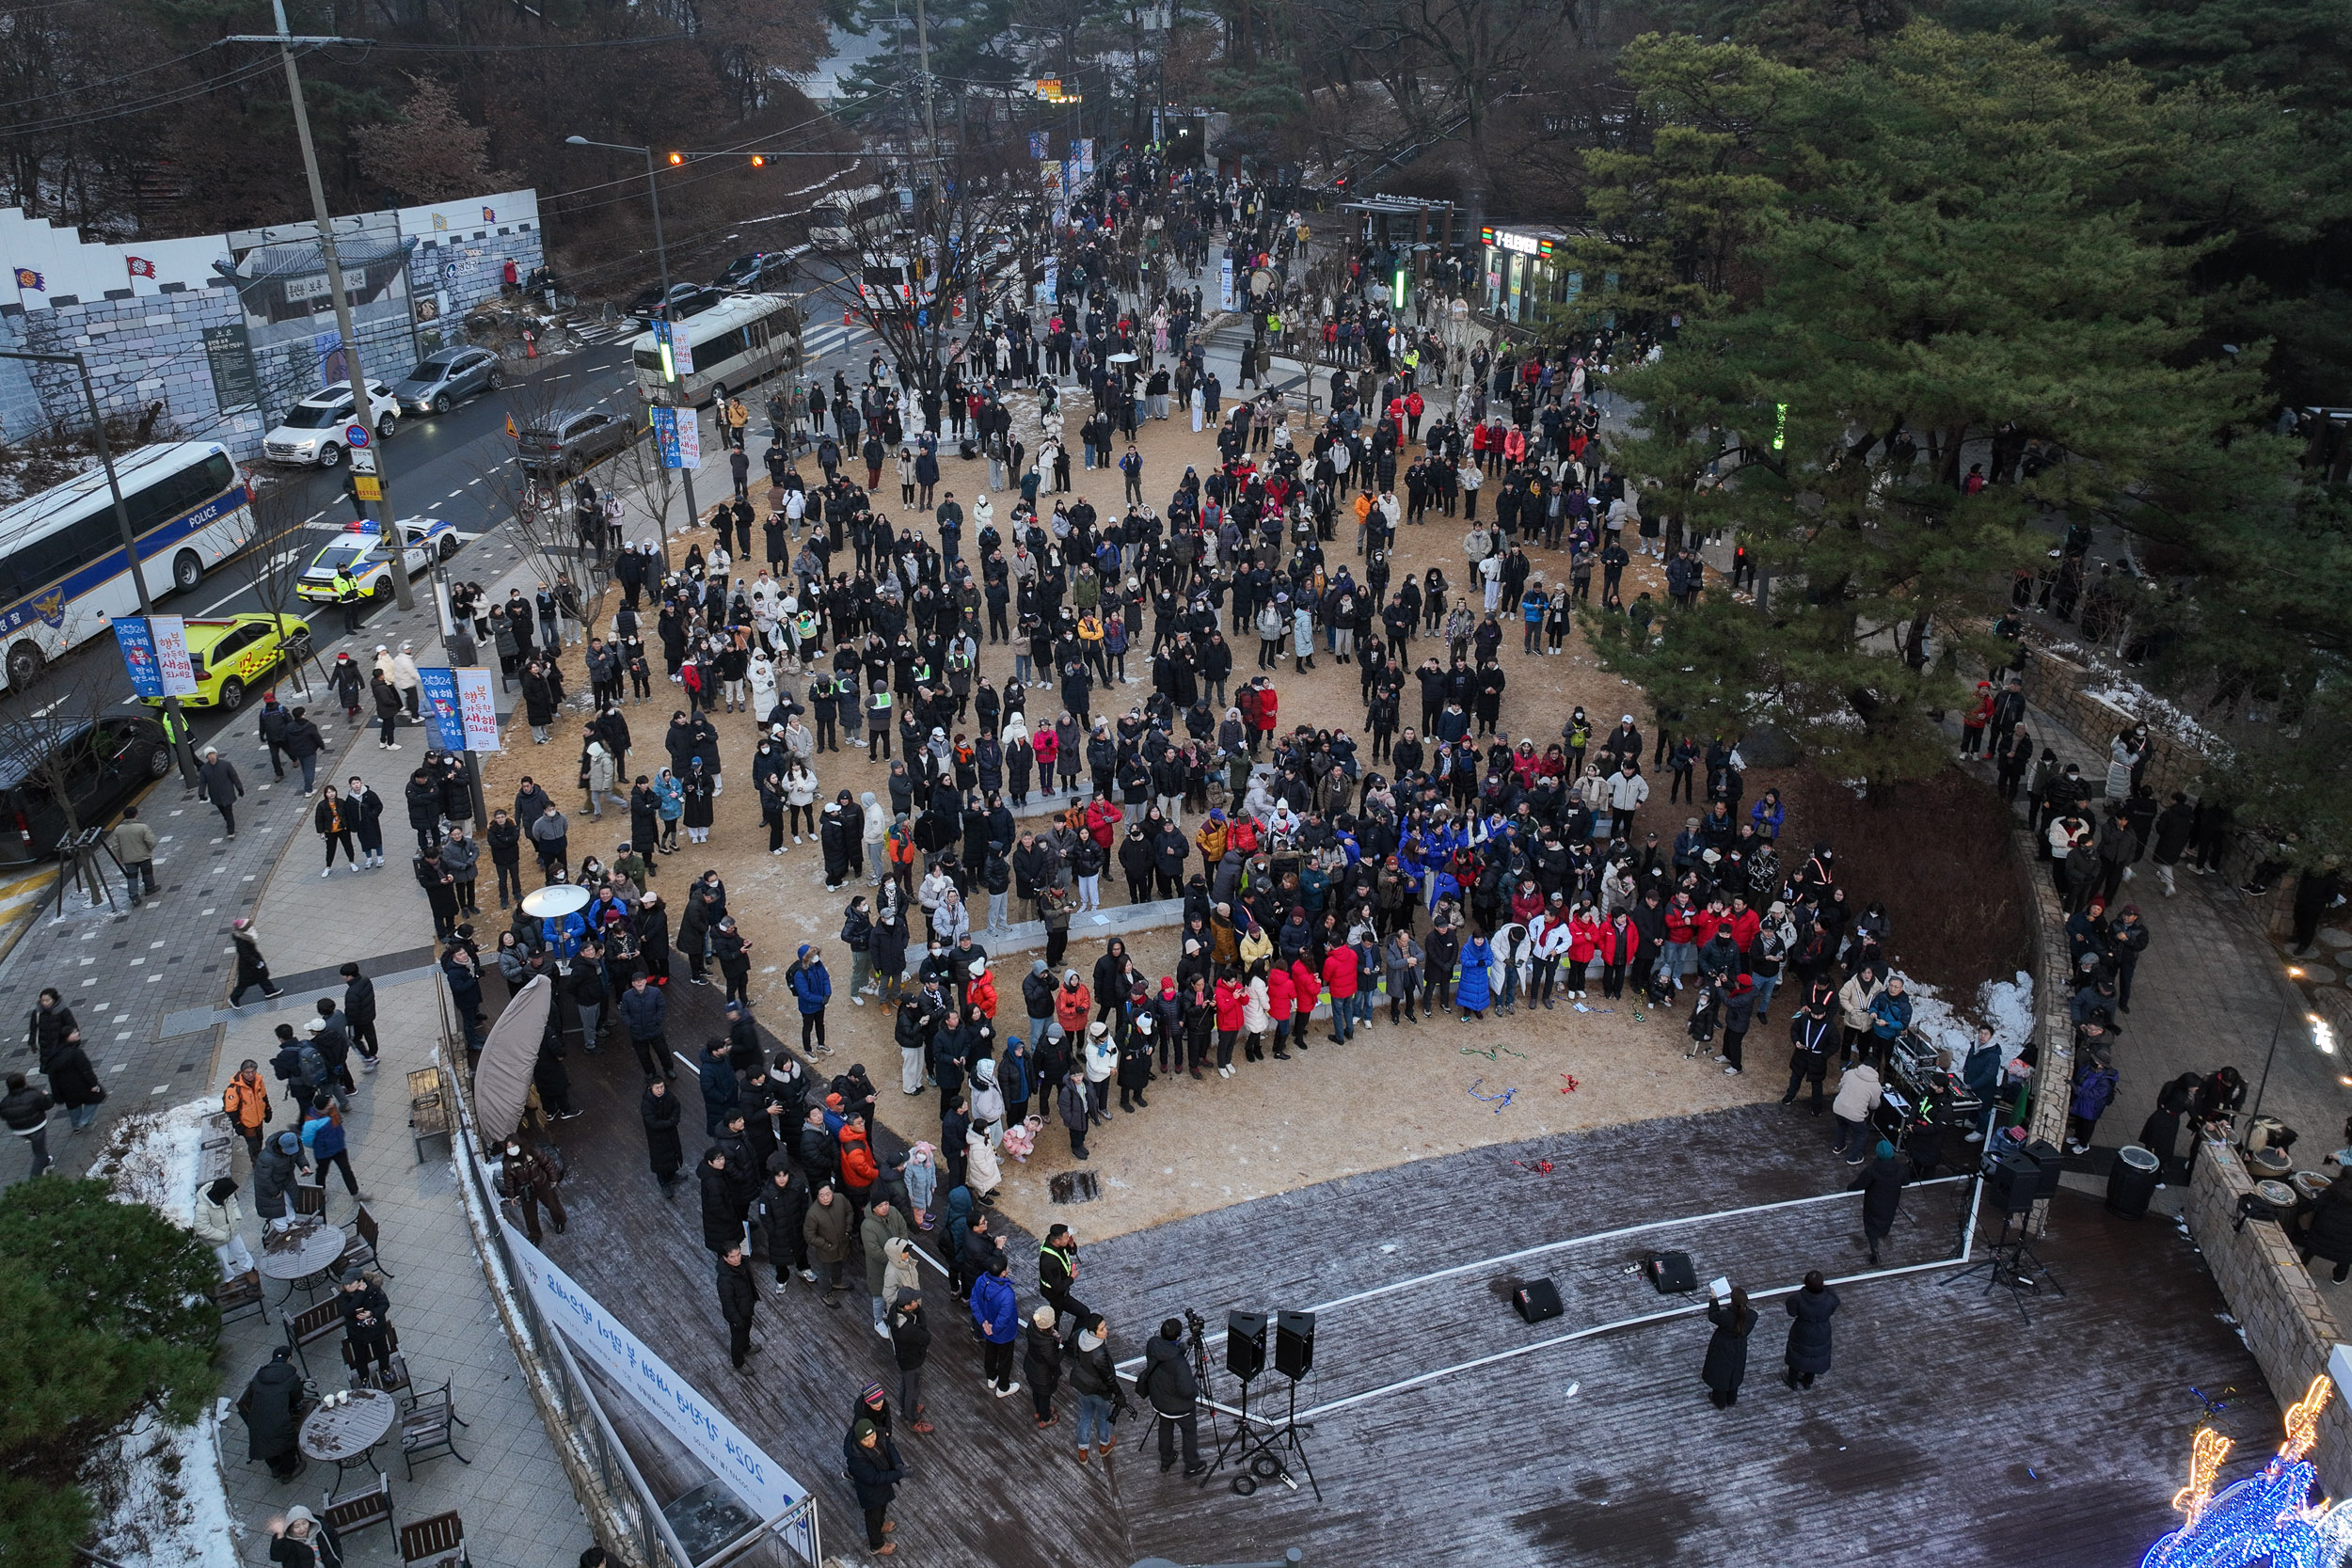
pixel 1202 1146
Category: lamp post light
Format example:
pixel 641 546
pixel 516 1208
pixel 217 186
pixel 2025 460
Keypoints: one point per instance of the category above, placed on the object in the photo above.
pixel 661 258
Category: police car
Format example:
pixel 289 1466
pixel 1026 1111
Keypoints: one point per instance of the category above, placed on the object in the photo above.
pixel 232 653
pixel 359 548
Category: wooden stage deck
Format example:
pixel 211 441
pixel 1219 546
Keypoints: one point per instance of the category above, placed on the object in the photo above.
pixel 1948 1430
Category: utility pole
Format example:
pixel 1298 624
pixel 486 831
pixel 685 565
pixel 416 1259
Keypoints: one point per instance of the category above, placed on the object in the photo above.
pixel 923 57
pixel 176 720
pixel 363 403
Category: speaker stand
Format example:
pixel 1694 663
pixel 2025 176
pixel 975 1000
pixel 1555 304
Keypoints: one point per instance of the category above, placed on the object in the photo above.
pixel 2011 1265
pixel 1262 1460
pixel 1238 1440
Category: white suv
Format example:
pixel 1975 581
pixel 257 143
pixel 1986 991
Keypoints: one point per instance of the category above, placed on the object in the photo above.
pixel 312 434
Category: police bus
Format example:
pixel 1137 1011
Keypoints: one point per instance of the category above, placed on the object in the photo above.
pixel 63 571
pixel 743 338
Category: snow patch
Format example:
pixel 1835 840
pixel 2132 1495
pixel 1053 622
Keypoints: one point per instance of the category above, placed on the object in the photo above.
pixel 154 1157
pixel 2006 1006
pixel 161 1489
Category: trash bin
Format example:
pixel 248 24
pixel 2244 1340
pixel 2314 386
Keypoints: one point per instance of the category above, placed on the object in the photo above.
pixel 2133 1182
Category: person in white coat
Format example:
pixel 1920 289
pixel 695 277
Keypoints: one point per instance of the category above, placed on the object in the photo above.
pixel 874 835
pixel 216 1218
pixel 1102 1061
pixel 763 678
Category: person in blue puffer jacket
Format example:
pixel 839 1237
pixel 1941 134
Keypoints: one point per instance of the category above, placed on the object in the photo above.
pixel 323 1137
pixel 1474 991
pixel 996 1310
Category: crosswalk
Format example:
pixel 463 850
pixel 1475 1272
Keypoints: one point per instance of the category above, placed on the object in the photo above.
pixel 831 337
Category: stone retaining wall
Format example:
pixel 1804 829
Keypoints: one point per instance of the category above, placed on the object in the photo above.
pixel 2271 1294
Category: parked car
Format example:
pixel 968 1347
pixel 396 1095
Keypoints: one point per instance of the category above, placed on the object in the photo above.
pixel 443 380
pixel 360 548
pixel 562 445
pixel 312 434
pixel 100 765
pixel 686 299
pixel 757 273
pixel 232 653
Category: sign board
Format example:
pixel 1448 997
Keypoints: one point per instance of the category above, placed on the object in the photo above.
pixel 1037 144
pixel 683 1410
pixel 479 706
pixel 679 435
pixel 681 352
pixel 362 461
pixel 139 657
pixel 228 354
pixel 367 487
pixel 168 636
pixel 1225 283
pixel 437 703
pixel 356 435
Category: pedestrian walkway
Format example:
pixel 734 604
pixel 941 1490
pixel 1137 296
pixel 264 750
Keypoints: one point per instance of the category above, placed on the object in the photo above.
pixel 514 1495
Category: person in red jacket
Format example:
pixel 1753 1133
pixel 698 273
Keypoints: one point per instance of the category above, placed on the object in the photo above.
pixel 1619 942
pixel 1072 1004
pixel 1340 970
pixel 1583 944
pixel 1306 991
pixel 1269 708
pixel 1281 996
pixel 1745 924
pixel 1229 1023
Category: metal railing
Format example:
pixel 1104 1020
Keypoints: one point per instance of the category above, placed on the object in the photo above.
pixel 633 1511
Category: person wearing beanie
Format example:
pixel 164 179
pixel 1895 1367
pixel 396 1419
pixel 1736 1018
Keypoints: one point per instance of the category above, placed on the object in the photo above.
pixel 1882 1190
pixel 215 1225
pixel 871 1459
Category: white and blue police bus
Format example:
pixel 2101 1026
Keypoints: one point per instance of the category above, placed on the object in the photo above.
pixel 63 571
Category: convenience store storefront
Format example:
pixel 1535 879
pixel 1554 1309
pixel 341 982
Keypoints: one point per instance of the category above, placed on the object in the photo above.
pixel 1523 269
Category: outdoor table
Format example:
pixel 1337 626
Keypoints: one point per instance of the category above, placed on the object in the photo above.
pixel 344 1434
pixel 301 1253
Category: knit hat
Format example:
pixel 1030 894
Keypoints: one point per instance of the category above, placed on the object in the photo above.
pixel 870 1394
pixel 1886 1150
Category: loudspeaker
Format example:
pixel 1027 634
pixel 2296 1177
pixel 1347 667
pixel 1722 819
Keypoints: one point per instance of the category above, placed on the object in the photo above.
pixel 1294 1343
pixel 2013 1182
pixel 1537 1300
pixel 1671 1272
pixel 1245 1344
pixel 2050 1165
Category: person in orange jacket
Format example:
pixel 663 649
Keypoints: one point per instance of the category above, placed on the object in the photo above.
pixel 247 1102
pixel 1072 1005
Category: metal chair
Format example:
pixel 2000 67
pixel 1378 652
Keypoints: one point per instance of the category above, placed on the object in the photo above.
pixel 308 1199
pixel 235 1297
pixel 364 1374
pixel 354 1511
pixel 362 1250
pixel 311 1325
pixel 426 1429
pixel 435 1543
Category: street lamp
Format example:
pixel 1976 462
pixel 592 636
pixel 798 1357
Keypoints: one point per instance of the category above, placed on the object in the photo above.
pixel 662 257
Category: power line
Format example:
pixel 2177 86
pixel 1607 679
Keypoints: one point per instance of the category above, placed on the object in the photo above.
pixel 236 77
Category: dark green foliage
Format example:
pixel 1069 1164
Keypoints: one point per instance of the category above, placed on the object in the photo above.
pixel 104 1311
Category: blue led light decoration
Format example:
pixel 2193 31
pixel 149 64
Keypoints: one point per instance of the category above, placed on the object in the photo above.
pixel 2269 1517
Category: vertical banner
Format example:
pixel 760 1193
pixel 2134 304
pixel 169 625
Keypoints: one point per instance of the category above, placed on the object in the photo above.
pixel 478 709
pixel 139 657
pixel 664 422
pixel 170 633
pixel 1037 144
pixel 1053 279
pixel 679 435
pixel 682 1409
pixel 1225 284
pixel 1085 157
pixel 439 703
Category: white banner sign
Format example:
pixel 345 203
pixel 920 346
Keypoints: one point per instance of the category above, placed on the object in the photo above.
pixel 172 654
pixel 677 1405
pixel 1225 284
pixel 689 439
pixel 478 709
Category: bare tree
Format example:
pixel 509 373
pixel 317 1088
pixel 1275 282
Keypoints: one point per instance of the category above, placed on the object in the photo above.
pixel 270 561
pixel 78 752
pixel 560 549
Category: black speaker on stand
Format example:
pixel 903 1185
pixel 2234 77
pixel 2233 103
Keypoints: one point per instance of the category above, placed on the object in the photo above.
pixel 1244 1357
pixel 2013 1182
pixel 1264 1460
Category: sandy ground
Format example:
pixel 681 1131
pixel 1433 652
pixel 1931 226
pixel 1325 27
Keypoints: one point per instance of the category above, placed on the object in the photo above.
pixel 1200 1146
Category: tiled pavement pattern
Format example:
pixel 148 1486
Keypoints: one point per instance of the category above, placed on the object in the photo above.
pixel 513 1497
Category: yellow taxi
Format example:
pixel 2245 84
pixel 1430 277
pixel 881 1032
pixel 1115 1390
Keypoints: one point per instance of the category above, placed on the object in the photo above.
pixel 232 653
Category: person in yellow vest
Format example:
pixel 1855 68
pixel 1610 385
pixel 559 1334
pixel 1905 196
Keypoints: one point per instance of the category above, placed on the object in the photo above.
pixel 347 596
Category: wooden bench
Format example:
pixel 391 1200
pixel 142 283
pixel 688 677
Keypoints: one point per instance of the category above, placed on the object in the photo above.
pixel 435 1543
pixel 428 1108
